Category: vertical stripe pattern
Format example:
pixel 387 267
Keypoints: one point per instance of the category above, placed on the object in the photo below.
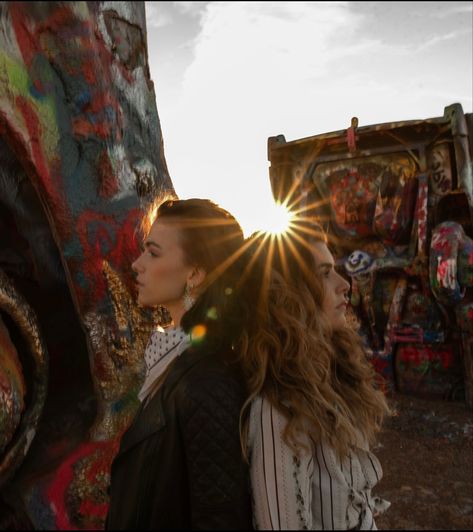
pixel 310 490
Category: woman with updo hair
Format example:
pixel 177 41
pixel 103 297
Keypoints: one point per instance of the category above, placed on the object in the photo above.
pixel 180 464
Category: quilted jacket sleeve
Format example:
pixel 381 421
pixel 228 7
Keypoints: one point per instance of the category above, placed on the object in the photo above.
pixel 218 475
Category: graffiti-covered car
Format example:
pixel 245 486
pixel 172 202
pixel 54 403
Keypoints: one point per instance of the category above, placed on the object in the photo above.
pixel 81 157
pixel 396 200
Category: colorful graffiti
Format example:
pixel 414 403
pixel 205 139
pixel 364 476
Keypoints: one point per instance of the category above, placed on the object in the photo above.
pixel 396 200
pixel 428 370
pixel 81 156
pixel 370 196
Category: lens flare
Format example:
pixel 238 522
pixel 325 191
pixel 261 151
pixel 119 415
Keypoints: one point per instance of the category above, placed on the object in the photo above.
pixel 198 333
pixel 212 313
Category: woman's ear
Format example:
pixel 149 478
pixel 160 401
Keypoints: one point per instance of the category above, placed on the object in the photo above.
pixel 196 277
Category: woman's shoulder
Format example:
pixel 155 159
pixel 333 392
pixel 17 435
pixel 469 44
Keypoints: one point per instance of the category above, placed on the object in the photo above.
pixel 208 367
pixel 212 383
pixel 260 403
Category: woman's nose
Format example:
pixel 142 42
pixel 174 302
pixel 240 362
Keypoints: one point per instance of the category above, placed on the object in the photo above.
pixel 136 265
pixel 344 285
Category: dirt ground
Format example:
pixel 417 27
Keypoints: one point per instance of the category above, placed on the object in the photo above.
pixel 426 450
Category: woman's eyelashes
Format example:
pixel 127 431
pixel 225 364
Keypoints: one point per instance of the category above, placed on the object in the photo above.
pixel 149 250
pixel 325 271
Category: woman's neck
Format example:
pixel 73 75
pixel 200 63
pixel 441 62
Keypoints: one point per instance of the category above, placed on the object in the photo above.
pixel 176 312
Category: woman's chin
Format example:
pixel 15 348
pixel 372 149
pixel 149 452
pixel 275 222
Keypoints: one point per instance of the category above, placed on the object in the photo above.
pixel 339 323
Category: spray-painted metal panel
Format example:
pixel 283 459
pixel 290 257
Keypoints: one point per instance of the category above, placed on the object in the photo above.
pixel 397 202
pixel 81 156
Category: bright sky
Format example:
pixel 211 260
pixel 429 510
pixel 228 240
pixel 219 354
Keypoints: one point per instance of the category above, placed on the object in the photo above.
pixel 228 75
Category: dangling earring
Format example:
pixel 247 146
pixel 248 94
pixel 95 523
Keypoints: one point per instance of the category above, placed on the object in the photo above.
pixel 187 298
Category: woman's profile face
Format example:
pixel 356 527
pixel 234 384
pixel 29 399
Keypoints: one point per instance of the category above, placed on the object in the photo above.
pixel 162 273
pixel 335 286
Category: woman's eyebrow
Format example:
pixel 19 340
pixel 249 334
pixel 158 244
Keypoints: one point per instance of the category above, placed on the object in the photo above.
pixel 149 243
pixel 325 265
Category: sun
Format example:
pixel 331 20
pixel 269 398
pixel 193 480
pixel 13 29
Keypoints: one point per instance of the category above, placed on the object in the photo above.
pixel 277 219
pixel 272 218
pixel 268 216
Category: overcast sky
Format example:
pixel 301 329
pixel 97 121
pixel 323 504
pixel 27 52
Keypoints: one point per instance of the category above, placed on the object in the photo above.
pixel 228 75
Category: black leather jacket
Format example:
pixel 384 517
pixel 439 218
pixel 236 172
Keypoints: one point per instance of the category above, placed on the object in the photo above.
pixel 180 464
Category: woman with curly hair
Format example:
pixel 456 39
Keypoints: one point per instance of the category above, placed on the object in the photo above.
pixel 314 404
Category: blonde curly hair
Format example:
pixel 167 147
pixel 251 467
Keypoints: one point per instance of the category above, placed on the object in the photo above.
pixel 319 378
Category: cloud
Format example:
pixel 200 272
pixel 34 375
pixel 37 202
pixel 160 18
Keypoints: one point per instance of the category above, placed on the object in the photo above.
pixel 463 9
pixel 156 15
pixel 256 63
pixel 250 47
pixel 298 68
pixel 439 39
pixel 253 67
pixel 193 9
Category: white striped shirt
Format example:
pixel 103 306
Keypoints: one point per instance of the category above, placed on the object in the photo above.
pixel 312 490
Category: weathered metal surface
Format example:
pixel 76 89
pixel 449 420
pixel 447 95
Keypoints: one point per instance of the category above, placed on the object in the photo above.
pixel 81 156
pixel 21 397
pixel 386 193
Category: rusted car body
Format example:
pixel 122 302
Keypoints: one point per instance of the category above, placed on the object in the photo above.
pixel 397 201
pixel 81 158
